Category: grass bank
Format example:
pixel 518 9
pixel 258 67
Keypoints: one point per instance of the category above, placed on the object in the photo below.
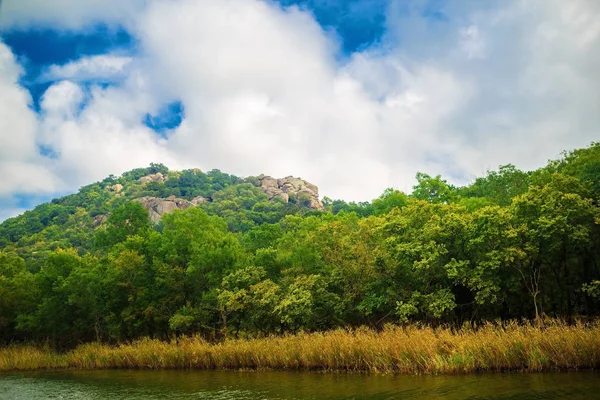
pixel 409 350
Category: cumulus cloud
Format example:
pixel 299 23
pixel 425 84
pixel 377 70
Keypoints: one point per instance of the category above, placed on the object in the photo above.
pixel 21 167
pixel 104 67
pixel 261 91
pixel 103 137
pixel 537 89
pixel 522 76
pixel 264 91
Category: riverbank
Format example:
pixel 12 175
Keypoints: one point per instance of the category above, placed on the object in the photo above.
pixel 408 350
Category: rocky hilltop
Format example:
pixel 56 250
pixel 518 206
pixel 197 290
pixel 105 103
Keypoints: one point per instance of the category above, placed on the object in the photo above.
pixel 74 219
pixel 284 188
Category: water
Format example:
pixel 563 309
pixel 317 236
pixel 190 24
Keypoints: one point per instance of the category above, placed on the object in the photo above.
pixel 169 385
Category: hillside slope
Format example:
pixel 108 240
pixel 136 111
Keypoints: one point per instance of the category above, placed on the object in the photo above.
pixel 244 202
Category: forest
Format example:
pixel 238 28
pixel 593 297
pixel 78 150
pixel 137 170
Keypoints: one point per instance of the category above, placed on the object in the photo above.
pixel 92 267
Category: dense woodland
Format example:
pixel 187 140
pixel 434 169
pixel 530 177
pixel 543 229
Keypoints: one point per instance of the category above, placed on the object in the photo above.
pixel 511 245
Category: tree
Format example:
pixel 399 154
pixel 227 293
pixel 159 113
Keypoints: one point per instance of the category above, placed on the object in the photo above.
pixel 201 246
pixel 433 190
pixel 500 187
pixel 85 291
pixel 262 237
pixel 18 293
pixel 55 318
pixel 555 225
pixel 584 164
pixel 158 167
pixel 236 296
pixel 389 200
pixel 307 304
pixel 127 220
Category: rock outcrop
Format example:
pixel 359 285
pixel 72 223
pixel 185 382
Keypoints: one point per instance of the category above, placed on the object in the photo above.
pixel 157 177
pixel 157 207
pixel 197 200
pixel 301 190
pixel 99 220
pixel 115 188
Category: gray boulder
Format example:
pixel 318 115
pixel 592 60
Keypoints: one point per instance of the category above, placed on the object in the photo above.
pixel 157 207
pixel 157 177
pixel 290 186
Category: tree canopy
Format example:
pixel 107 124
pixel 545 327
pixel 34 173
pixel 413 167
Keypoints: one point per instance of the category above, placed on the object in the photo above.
pixel 92 267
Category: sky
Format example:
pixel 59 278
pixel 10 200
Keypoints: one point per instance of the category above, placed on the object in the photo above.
pixel 353 95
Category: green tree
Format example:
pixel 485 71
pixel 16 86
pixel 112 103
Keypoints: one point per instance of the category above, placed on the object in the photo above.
pixel 499 187
pixel 55 318
pixel 201 246
pixel 554 237
pixel 236 297
pixel 18 294
pixel 307 304
pixel 389 200
pixel 127 220
pixel 433 190
pixel 583 164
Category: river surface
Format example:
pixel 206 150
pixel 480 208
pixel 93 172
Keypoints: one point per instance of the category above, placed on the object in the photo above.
pixel 167 385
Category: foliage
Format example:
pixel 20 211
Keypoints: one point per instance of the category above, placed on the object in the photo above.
pixel 91 266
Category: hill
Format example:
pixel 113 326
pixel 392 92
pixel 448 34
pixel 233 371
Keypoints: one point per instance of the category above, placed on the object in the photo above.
pixel 159 253
pixel 71 221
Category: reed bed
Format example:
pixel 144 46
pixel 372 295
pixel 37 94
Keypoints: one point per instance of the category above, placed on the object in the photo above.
pixel 406 350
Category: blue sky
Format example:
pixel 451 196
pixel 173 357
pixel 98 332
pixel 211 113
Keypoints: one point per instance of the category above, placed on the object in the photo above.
pixel 37 49
pixel 355 96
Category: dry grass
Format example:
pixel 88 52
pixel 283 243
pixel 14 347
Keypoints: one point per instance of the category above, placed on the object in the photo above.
pixel 410 350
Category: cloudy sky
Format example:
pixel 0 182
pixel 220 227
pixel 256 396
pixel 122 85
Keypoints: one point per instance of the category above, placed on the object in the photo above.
pixel 353 95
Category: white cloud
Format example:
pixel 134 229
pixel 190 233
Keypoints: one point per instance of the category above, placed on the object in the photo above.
pixel 62 100
pixel 529 67
pixel 17 122
pixel 263 92
pixel 21 167
pixel 471 42
pixel 104 67
pixel 105 136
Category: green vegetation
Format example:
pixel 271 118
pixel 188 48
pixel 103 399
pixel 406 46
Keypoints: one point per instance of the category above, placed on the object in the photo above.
pixel 409 350
pixel 91 267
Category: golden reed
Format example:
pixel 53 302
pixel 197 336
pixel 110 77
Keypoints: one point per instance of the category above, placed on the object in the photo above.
pixel 408 350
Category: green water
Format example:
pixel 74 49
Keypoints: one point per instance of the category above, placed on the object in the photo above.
pixel 167 385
